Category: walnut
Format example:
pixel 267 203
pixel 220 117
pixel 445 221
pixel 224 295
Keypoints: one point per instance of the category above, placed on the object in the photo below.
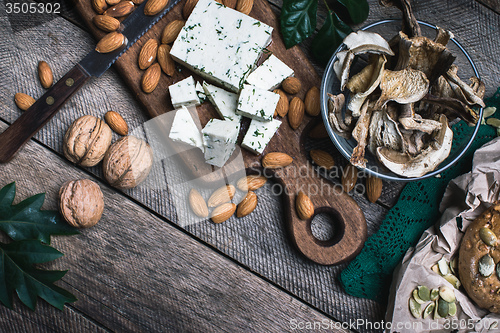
pixel 81 203
pixel 86 141
pixel 127 162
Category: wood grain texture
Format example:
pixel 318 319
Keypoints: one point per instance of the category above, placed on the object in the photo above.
pixel 133 272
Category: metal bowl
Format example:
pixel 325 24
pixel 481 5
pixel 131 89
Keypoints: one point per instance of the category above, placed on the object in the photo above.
pixel 330 84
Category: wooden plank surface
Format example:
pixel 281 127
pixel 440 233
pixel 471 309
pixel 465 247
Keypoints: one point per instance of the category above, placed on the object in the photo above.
pixel 133 272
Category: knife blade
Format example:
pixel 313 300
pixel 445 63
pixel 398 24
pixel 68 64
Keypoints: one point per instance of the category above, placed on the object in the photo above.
pixel 94 64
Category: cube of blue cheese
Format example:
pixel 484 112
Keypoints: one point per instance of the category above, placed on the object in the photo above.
pixel 270 74
pixel 259 134
pixel 221 44
pixel 184 93
pixel 219 137
pixel 257 103
pixel 225 102
pixel 184 129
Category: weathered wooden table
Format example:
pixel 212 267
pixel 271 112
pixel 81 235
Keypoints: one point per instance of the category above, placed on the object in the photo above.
pixel 138 269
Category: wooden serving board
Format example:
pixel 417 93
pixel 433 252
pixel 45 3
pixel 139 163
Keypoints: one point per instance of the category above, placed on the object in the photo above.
pixel 350 222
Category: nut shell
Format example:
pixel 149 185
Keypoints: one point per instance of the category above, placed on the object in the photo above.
pixel 86 141
pixel 81 203
pixel 127 162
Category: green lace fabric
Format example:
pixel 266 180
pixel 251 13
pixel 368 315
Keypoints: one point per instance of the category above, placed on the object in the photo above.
pixel 369 274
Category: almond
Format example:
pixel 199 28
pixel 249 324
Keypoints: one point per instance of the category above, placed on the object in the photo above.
pixel 197 203
pixel 99 6
pixel 106 23
pixel 322 158
pixel 304 206
pixel 171 31
pixel 151 78
pixel 121 9
pixel 295 112
pixel 153 7
pixel 223 212
pixel 45 74
pixel 251 182
pixel 318 131
pixel 276 160
pixel 244 6
pixel 188 8
pixel 373 188
pixel 112 2
pixel 229 3
pixel 312 102
pixel 137 2
pixel 349 177
pixel 116 122
pixel 110 42
pixel 165 60
pixel 291 85
pixel 23 101
pixel 247 205
pixel 148 53
pixel 282 106
pixel 221 195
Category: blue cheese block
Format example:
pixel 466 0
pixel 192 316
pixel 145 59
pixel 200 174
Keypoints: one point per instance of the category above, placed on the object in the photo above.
pixel 257 103
pixel 184 129
pixel 270 74
pixel 259 134
pixel 219 137
pixel 184 93
pixel 221 44
pixel 225 102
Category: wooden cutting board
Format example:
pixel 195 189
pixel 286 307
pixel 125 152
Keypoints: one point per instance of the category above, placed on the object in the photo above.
pixel 350 224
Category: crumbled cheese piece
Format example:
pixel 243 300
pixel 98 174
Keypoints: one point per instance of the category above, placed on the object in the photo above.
pixel 270 74
pixel 221 44
pixel 219 137
pixel 259 134
pixel 184 93
pixel 184 129
pixel 225 102
pixel 202 96
pixel 257 103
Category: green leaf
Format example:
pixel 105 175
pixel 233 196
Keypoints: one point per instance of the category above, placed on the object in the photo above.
pixel 26 221
pixel 18 274
pixel 358 9
pixel 329 37
pixel 298 20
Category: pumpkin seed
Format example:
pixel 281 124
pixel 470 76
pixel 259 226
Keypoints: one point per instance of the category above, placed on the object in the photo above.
pixel 436 313
pixel 454 265
pixel 424 293
pixel 498 270
pixel 453 280
pixel 489 111
pixel 434 294
pixel 429 309
pixel 452 309
pixel 414 308
pixel 486 265
pixel 443 308
pixel 488 236
pixel 435 269
pixel 417 298
pixel 494 325
pixel 447 294
pixel 493 122
pixel 444 269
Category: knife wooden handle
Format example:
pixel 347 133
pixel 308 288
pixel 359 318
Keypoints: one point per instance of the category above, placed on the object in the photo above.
pixel 33 119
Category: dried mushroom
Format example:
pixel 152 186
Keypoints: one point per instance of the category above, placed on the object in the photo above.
pixel 412 121
pixel 335 105
pixel 404 86
pixel 360 134
pixel 462 90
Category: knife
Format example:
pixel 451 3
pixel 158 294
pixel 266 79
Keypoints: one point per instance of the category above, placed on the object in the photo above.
pixel 93 64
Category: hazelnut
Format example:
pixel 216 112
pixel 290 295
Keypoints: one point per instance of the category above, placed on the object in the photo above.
pixel 86 141
pixel 81 203
pixel 127 162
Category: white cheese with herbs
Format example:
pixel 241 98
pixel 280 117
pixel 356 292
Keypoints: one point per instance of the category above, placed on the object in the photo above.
pixel 257 103
pixel 221 44
pixel 259 134
pixel 184 93
pixel 200 92
pixel 270 74
pixel 225 102
pixel 219 137
pixel 184 129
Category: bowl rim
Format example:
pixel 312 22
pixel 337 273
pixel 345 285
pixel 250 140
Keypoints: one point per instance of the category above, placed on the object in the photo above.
pixel 334 137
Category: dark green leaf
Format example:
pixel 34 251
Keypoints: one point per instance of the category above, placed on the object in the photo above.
pixel 26 221
pixel 329 37
pixel 358 9
pixel 17 273
pixel 298 20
